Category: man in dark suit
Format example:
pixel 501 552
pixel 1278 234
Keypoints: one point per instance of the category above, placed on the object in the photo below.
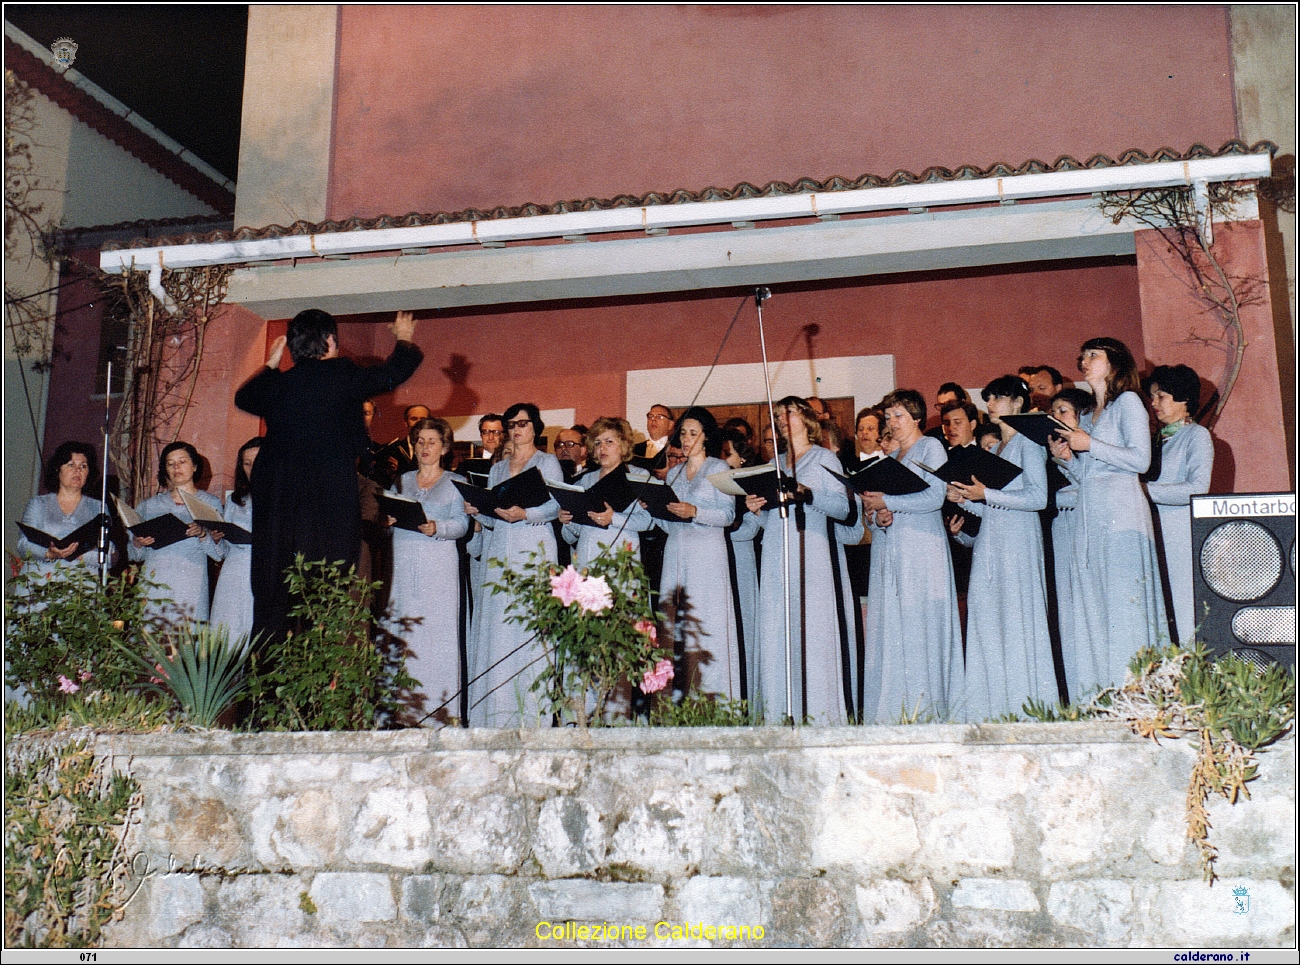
pixel 658 425
pixel 305 494
pixel 399 455
pixel 948 393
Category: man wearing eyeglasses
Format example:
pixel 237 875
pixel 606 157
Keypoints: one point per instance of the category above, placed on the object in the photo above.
pixel 658 424
pixel 492 431
pixel 571 450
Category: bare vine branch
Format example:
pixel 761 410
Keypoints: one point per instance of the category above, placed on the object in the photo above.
pixel 1221 294
pixel 164 356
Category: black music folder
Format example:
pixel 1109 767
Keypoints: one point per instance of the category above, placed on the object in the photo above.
pixel 86 536
pixel 408 512
pixel 656 495
pixel 884 475
pixel 210 519
pixel 966 461
pixel 1037 427
pixel 527 491
pixel 613 489
pixel 165 529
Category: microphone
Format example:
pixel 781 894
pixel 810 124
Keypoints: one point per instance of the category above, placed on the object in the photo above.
pixel 761 295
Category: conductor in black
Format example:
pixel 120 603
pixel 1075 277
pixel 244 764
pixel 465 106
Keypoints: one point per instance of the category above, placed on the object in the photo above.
pixel 305 495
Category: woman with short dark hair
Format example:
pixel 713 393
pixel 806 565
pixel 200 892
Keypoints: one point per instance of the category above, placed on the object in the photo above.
pixel 1186 465
pixel 505 657
pixel 1117 600
pixel 70 476
pixel 180 571
pixel 1008 651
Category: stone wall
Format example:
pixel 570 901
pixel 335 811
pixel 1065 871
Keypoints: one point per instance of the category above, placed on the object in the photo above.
pixel 945 835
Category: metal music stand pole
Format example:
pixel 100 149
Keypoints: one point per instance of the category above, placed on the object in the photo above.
pixel 103 483
pixel 760 296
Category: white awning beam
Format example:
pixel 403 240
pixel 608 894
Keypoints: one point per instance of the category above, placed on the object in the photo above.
pixel 1239 167
pixel 929 241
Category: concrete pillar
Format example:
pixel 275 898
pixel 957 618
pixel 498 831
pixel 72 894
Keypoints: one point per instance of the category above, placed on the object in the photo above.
pixel 1250 437
pixel 1263 74
pixel 288 114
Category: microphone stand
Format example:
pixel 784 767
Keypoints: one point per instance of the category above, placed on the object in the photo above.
pixel 103 483
pixel 783 506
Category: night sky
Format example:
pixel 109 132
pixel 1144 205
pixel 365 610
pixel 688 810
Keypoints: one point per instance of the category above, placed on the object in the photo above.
pixel 180 67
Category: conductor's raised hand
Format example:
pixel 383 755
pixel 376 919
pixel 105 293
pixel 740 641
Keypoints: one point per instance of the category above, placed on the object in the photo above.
pixel 276 353
pixel 403 327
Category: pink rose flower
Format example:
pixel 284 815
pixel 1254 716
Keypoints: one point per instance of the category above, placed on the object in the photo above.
pixel 83 676
pixel 564 586
pixel 158 680
pixel 593 595
pixel 67 686
pixel 648 628
pixel 657 679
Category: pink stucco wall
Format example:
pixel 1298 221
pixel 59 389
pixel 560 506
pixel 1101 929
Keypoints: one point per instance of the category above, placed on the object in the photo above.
pixel 964 326
pixel 478 106
pixel 1250 437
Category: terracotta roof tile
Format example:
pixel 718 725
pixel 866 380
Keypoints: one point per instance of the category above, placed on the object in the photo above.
pixel 930 175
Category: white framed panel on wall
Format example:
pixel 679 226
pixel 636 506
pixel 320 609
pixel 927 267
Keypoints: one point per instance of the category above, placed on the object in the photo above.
pixel 864 378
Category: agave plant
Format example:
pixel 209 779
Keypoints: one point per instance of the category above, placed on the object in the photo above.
pixel 200 667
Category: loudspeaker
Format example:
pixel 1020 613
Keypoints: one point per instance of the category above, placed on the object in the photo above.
pixel 1244 575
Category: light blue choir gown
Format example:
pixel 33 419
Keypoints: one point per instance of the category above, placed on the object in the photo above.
pixel 741 534
pixel 43 513
pixel 500 697
pixel 821 621
pixel 1117 605
pixel 1008 650
pixel 1186 464
pixel 1067 504
pixel 232 601
pixel 695 589
pixel 424 601
pixel 181 569
pixel 590 541
pixel 913 634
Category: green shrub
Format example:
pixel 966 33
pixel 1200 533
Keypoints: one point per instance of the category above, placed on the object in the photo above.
pixel 326 674
pixel 699 710
pixel 66 634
